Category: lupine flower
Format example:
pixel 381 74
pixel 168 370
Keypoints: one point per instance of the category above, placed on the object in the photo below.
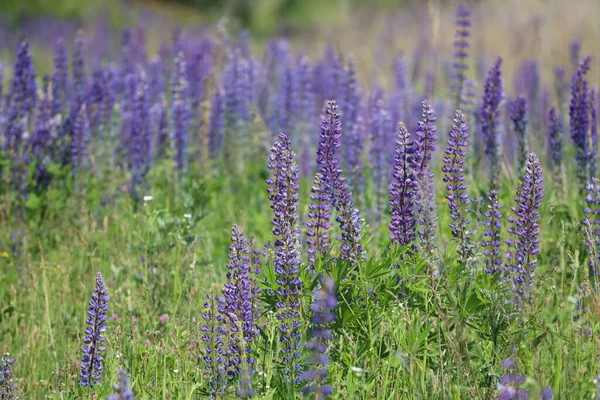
pixel 592 224
pixel 60 78
pixel 214 335
pixel 574 53
pixel 237 304
pixel 316 375
pixel 517 112
pixel 556 148
pixel 547 393
pixel 561 86
pixel 81 138
pixel 490 121
pixel 319 215
pixel 122 389
pixel 306 101
pixel 525 230
pixel 493 226
pixel 403 188
pixel 8 389
pixel 140 138
pixel 79 75
pixel 453 169
pixel 510 383
pixel 351 93
pixel 91 363
pixel 528 83
pixel 283 194
pixel 288 102
pixel 579 116
pixel 425 138
pixel 593 132
pixel 461 50
pixel 180 110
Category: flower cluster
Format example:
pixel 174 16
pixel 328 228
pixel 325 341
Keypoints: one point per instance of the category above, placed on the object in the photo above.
pixel 556 149
pixel 283 194
pixel 592 224
pixel 493 226
pixel 454 177
pixel 91 363
pixel 510 386
pixel 8 389
pixel 461 50
pixel 490 121
pixel 579 120
pixel 517 112
pixel 123 388
pixel 525 230
pixel 324 301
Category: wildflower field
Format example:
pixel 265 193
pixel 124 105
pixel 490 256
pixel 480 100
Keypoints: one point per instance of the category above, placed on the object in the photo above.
pixel 400 206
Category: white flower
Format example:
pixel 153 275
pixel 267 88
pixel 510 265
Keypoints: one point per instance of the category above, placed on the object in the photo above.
pixel 358 370
pixel 175 371
pixel 148 198
pixel 187 216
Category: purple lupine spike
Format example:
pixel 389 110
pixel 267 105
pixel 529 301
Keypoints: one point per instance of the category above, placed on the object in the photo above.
pixel 524 245
pixel 593 132
pixel 283 194
pixel 510 386
pixel 123 388
pixel 330 136
pixel 491 242
pixel 574 53
pixel 236 92
pixel 490 121
pixel 91 363
pixel 288 100
pixel 81 137
pixel 214 335
pixel 401 86
pixel 22 99
pixel 60 78
pixel 139 152
pixel 332 73
pixel 591 223
pixel 78 68
pixel 306 100
pixel 453 169
pixel 561 86
pixel 461 50
pixel 322 307
pixel 1 86
pixel 517 113
pixel 238 304
pixel 425 138
pixel 8 389
pixel 351 93
pixel 108 101
pixel 95 100
pixel 556 148
pixel 217 118
pixel 403 188
pixel 156 79
pixel 579 120
pixel 319 215
pixel 180 112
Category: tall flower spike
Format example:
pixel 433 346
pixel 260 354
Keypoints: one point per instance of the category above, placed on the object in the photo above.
pixel 458 198
pixel 526 229
pixel 574 53
pixel 91 363
pixel 493 226
pixel 355 149
pixel 237 307
pixel 593 132
pixel 425 138
pixel 123 388
pixel 379 125
pixel 461 51
pixel 556 150
pixel 579 120
pixel 490 121
pixel 403 189
pixel 315 376
pixel 79 75
pixel 319 215
pixel 60 78
pixel 517 112
pixel 181 112
pixel 283 194
pixel 591 223
pixel 214 335
pixel 8 389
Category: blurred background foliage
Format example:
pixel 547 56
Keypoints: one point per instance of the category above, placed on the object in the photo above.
pixel 260 17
